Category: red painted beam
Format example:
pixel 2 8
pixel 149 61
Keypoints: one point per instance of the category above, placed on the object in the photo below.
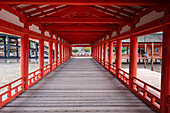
pixel 95 12
pixel 86 2
pixel 27 8
pixel 81 36
pixel 119 10
pixel 20 31
pixel 149 28
pixel 80 33
pixel 46 13
pixel 108 11
pixel 40 10
pixel 77 28
pixel 81 45
pixel 79 20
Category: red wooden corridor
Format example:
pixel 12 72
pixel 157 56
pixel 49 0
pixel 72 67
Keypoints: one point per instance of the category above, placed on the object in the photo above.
pixel 79 85
pixel 99 24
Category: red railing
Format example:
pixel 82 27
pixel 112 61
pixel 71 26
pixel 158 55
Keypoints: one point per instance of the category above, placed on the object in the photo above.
pixel 34 77
pixel 147 92
pixel 54 65
pixel 113 69
pixel 102 62
pixel 59 62
pixel 47 69
pixel 123 76
pixel 106 65
pixel 11 90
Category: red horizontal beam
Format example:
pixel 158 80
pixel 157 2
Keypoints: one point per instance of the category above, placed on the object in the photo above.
pixel 81 36
pixel 80 28
pixel 81 45
pixel 86 2
pixel 80 33
pixel 20 31
pixel 79 20
pixel 149 28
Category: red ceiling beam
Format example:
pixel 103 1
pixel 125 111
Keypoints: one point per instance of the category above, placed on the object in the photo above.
pixel 63 12
pixel 40 10
pixel 119 10
pixel 149 28
pixel 93 11
pixel 20 31
pixel 50 11
pixel 79 20
pixel 80 33
pixel 110 12
pixel 80 37
pixel 75 28
pixel 13 11
pixel 86 2
pixel 81 45
pixel 27 8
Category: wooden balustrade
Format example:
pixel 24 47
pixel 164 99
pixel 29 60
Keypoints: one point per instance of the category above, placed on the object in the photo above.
pixel 123 76
pixel 106 65
pixel 34 77
pixel 113 69
pixel 147 92
pixel 11 90
pixel 47 69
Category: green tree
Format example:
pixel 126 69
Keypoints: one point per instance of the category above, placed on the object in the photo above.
pixel 87 49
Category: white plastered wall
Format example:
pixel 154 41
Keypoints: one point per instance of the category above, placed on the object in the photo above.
pixel 47 34
pixel 34 28
pixel 7 16
pixel 124 29
pixel 149 17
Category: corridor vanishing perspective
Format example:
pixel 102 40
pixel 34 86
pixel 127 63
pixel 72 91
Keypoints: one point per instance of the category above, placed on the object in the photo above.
pixel 79 85
pixel 70 56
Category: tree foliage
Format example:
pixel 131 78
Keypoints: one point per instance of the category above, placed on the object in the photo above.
pixel 75 51
pixel 87 49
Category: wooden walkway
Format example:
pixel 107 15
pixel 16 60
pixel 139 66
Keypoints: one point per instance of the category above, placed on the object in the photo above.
pixel 79 85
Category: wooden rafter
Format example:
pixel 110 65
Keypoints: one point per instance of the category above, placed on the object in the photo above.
pixel 79 20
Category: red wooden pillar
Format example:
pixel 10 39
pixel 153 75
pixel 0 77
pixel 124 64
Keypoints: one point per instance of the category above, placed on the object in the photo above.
pixel 147 49
pixel 99 53
pixel 161 51
pixel 105 53
pixel 118 56
pixel 95 52
pixel 133 60
pixel 92 51
pixel 63 47
pixel 165 74
pixel 56 53
pixel 60 53
pixel 41 57
pixel 110 54
pixel 127 51
pixel 50 57
pixel 25 58
pixel 70 51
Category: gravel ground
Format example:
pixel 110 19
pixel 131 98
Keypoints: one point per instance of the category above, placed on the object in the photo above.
pixel 10 72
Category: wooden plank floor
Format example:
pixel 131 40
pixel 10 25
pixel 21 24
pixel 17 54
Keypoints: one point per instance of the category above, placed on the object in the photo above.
pixel 79 85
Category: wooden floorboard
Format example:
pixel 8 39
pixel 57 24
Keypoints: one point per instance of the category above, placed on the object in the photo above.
pixel 79 85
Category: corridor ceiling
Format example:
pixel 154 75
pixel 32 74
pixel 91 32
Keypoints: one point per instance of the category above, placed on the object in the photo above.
pixel 80 21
